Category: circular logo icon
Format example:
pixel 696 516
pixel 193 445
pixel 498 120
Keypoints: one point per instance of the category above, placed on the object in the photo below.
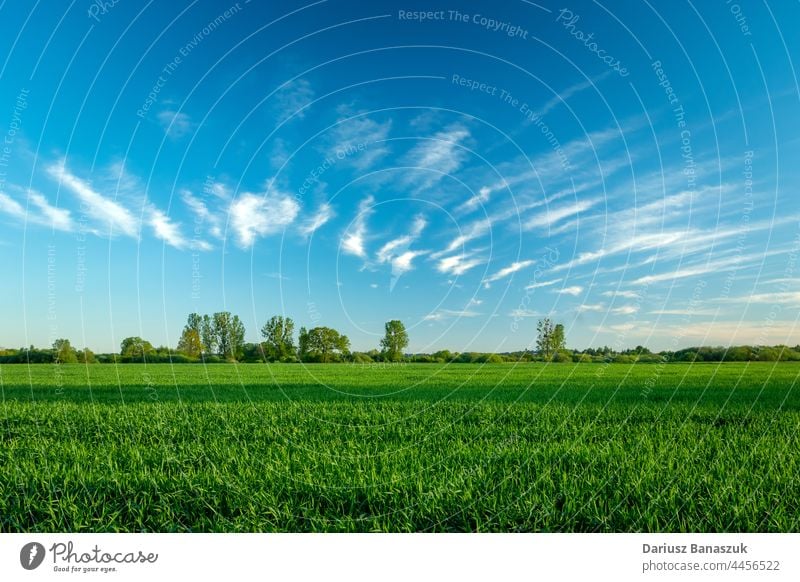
pixel 31 555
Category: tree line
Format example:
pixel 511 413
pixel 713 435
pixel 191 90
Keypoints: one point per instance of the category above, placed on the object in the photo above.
pixel 219 337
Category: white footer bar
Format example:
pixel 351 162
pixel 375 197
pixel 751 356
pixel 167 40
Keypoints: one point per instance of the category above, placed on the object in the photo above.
pixel 355 557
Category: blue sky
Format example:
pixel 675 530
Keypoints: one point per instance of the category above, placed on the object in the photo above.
pixel 628 170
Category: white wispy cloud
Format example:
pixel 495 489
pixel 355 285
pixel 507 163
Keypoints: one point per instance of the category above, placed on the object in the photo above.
pixel 293 99
pixel 552 216
pixel 128 186
pixel 458 264
pixel 688 312
pixel 279 154
pixel 58 218
pixel 625 310
pixel 737 332
pixel 165 229
pixel 593 159
pixel 523 199
pixel 358 140
pixel 220 190
pixel 354 238
pixel 615 327
pixel 11 206
pixel 205 219
pixel 112 215
pixel 692 271
pixel 539 284
pixel 662 223
pixel 471 232
pixel 575 290
pixel 790 298
pixel 781 280
pixel 596 307
pixel 397 251
pixel 548 168
pixel 442 153
pixel 401 264
pixel 524 313
pixel 668 241
pixel 324 214
pixel 176 124
pixel 521 202
pixel 710 332
pixel 568 92
pixel 509 270
pixel 42 213
pixel 624 294
pixel 449 314
pixel 478 199
pixel 390 249
pixel 258 215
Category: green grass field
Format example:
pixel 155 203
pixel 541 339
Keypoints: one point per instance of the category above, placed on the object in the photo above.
pixel 530 447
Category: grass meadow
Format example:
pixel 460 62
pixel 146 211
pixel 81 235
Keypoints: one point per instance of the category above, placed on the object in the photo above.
pixel 442 448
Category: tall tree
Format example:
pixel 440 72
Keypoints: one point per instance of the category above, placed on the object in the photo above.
pixel 135 347
pixel 544 337
pixel 303 344
pixel 191 342
pixel 550 338
pixel 86 356
pixel 342 344
pixel 278 334
pixel 229 334
pixel 208 336
pixel 326 344
pixel 64 352
pixel 394 341
pixel 559 339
